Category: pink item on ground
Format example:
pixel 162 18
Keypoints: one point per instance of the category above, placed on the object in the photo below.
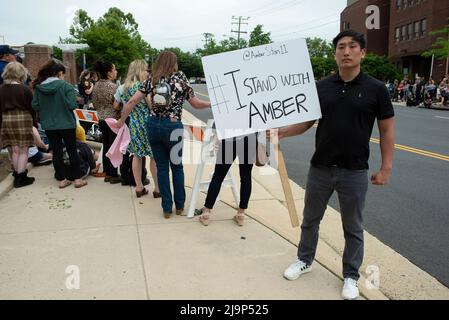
pixel 121 143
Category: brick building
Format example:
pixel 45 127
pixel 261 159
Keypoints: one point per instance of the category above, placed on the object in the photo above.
pixel 404 31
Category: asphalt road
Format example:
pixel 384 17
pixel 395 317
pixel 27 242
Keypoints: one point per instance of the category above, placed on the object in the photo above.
pixel 411 215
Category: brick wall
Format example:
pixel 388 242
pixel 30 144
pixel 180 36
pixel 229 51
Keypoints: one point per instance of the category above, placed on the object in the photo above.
pixel 35 57
pixel 355 15
pixel 69 60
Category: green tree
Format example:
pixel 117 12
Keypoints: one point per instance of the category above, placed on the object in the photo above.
pixel 322 57
pixel 320 48
pixel 113 37
pixel 441 46
pixel 323 67
pixel 189 63
pixel 210 46
pixel 258 37
pixel 380 68
pixel 231 44
pixel 57 53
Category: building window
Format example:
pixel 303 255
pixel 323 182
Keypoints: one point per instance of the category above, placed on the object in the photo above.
pixel 423 27
pixel 410 31
pixel 404 33
pixel 417 29
pixel 398 4
pixel 397 36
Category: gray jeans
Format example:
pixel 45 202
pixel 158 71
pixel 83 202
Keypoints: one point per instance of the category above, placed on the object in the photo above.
pixel 351 187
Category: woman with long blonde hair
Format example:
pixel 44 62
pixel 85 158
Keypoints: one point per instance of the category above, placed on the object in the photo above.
pixel 139 146
pixel 167 89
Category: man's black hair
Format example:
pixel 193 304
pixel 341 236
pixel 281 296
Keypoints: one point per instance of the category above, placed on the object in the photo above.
pixel 355 35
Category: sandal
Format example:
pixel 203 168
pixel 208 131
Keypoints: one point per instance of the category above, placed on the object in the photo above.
pixel 204 217
pixel 142 193
pixel 240 219
pixel 81 184
pixel 94 172
pixel 157 195
pixel 64 184
pixel 99 175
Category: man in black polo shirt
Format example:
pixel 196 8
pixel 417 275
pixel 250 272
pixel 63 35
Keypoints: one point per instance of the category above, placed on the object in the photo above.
pixel 350 103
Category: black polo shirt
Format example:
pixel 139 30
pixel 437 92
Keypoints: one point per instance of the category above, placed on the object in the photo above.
pixel 349 111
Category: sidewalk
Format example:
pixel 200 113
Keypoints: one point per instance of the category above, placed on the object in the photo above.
pixel 433 107
pixel 125 249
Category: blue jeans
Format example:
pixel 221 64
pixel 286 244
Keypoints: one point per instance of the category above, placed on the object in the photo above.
pixel 166 139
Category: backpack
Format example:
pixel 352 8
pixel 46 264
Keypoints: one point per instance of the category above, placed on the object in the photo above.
pixel 162 94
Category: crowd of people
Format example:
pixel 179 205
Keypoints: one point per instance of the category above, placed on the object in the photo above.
pixel 420 91
pixel 150 103
pixel 39 126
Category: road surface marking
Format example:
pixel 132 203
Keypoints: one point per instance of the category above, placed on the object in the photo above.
pixel 417 151
pixel 446 118
pixel 397 146
pixel 202 94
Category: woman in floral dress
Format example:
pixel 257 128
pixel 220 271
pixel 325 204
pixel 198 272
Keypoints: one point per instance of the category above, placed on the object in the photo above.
pixel 139 146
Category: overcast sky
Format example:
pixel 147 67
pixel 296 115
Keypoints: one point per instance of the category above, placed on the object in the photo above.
pixel 175 23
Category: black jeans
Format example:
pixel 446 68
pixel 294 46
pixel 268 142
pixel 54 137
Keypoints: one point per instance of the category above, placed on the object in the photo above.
pixel 58 139
pixel 245 149
pixel 108 137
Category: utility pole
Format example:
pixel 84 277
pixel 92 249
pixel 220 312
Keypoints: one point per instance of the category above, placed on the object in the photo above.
pixel 3 37
pixel 240 22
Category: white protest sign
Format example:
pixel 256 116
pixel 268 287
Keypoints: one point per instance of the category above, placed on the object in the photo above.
pixel 261 88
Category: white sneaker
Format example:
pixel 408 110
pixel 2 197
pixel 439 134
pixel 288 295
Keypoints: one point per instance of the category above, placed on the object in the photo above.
pixel 296 270
pixel 350 290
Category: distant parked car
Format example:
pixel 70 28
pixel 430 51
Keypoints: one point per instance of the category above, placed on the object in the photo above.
pixel 197 80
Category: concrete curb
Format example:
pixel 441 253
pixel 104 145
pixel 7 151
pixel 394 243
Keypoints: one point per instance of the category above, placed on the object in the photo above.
pixel 326 256
pixel 6 186
pixel 8 183
pixel 405 280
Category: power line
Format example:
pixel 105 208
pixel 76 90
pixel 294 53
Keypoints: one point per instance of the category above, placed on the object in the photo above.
pixel 316 27
pixel 305 23
pixel 263 8
pixel 176 38
pixel 281 7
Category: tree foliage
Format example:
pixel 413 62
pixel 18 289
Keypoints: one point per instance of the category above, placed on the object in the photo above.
pixel 322 57
pixel 57 53
pixel 113 37
pixel 380 68
pixel 441 46
pixel 320 48
pixel 322 67
pixel 189 63
pixel 258 37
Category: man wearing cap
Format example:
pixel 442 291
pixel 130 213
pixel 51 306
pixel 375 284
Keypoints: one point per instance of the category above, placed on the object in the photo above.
pixel 7 55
